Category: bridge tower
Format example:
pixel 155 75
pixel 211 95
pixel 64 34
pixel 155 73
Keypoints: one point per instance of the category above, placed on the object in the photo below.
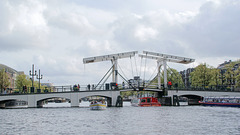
pixel 162 60
pixel 113 58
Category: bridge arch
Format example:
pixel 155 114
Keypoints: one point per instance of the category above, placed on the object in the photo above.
pixel 192 99
pixel 6 99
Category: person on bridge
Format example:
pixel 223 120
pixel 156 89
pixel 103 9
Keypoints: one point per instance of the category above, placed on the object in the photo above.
pixel 78 87
pixel 169 84
pixel 123 85
pixel 88 86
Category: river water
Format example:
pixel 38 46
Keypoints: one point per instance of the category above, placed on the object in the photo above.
pixel 63 120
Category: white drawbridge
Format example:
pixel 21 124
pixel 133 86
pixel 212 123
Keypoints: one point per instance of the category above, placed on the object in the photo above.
pixel 162 59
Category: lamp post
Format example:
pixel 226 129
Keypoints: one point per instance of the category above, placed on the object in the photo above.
pixel 39 77
pixel 32 73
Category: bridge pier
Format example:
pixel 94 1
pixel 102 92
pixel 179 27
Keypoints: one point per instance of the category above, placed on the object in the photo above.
pixel 32 103
pixel 74 100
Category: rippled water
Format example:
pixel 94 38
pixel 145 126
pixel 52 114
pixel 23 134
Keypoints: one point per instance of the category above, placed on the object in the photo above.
pixel 126 120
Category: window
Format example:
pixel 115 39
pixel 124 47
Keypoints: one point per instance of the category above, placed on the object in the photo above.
pixel 143 100
pixel 149 100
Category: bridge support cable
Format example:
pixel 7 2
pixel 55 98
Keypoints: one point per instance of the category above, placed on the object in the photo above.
pixel 136 65
pixel 140 67
pixel 151 77
pixel 129 84
pixel 104 77
pixel 145 68
pixel 122 72
pixel 131 66
pixel 162 59
pixel 174 74
pixel 155 78
pixel 105 80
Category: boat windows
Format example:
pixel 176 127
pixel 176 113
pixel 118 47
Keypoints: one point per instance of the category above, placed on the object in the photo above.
pixel 149 100
pixel 143 100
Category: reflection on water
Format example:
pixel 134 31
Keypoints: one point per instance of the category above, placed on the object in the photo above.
pixel 82 104
pixel 53 119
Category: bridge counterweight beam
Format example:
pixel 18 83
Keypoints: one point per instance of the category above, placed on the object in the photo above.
pixel 165 73
pixel 159 74
pixel 115 71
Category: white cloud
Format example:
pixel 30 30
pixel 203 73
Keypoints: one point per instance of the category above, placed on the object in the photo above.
pixel 57 35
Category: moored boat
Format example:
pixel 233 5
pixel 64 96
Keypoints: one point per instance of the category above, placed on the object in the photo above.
pixel 183 101
pixel 145 102
pixel 221 101
pixel 98 105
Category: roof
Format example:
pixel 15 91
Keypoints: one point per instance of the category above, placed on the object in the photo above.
pixel 8 69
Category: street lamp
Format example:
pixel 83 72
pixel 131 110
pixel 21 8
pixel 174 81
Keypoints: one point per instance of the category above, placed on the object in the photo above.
pixel 32 73
pixel 39 78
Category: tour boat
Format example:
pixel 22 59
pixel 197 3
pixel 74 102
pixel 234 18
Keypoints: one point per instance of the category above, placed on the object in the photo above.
pixel 145 102
pixel 95 105
pixel 183 101
pixel 221 101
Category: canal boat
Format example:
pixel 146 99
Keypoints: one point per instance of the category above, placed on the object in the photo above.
pixel 183 101
pixel 145 102
pixel 221 101
pixel 98 105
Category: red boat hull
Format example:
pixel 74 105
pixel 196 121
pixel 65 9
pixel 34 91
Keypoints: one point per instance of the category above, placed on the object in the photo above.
pixel 147 102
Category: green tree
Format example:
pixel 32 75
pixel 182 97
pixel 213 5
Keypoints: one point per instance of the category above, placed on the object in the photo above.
pixel 22 80
pixel 4 81
pixel 215 77
pixel 172 75
pixel 237 76
pixel 201 76
pixel 175 77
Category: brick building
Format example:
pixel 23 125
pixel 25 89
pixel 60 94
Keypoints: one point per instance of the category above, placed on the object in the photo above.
pixel 12 74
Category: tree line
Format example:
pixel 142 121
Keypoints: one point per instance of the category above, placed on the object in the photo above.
pixel 21 81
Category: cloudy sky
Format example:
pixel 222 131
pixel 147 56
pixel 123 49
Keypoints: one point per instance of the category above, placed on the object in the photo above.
pixel 56 35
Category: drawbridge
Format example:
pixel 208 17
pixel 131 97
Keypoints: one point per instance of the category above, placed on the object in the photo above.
pixel 137 83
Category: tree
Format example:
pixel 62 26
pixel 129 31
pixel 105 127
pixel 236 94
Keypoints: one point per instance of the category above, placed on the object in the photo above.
pixel 237 75
pixel 4 81
pixel 215 77
pixel 22 80
pixel 172 75
pixel 175 77
pixel 201 75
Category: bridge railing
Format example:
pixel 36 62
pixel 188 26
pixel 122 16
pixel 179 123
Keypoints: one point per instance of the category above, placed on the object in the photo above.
pixel 92 87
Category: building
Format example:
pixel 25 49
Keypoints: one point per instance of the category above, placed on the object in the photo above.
pixel 229 81
pixel 12 74
pixel 186 77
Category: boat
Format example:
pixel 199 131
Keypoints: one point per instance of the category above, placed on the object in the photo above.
pixel 221 101
pixel 145 102
pixel 98 105
pixel 183 101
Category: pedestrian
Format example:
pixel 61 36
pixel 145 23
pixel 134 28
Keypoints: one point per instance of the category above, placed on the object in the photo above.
pixel 88 86
pixel 169 84
pixel 78 87
pixel 123 85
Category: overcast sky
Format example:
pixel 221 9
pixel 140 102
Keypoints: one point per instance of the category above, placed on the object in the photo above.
pixel 56 35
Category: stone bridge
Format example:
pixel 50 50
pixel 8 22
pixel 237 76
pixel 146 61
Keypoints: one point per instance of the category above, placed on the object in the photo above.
pixel 36 100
